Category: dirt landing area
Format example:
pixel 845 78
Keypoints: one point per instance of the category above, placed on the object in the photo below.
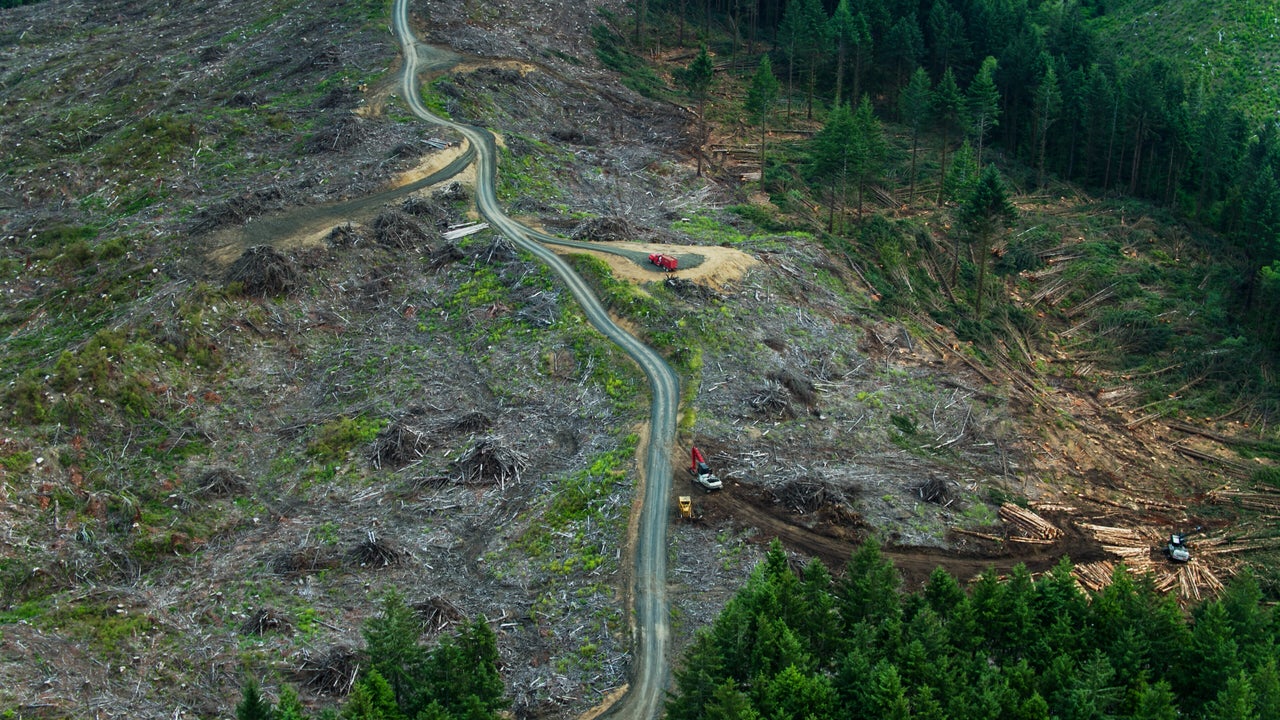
pixel 833 532
pixel 720 267
pixel 434 163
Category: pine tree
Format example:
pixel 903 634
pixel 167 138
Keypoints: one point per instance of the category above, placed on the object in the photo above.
pixel 948 41
pixel 252 705
pixel 372 699
pixel 852 39
pixel 982 104
pixel 1236 701
pixel 985 214
pixel 905 48
pixel 869 590
pixel 914 105
pixel 869 147
pixel 696 80
pixel 729 703
pixel 831 158
pixel 1048 99
pixel 948 109
pixel 1156 702
pixel 761 97
pixel 391 641
pixel 290 707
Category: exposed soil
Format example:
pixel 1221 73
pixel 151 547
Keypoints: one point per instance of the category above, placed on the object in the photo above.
pixel 802 391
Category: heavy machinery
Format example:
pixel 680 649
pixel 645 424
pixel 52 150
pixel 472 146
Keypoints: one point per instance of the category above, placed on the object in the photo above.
pixel 666 262
pixel 686 507
pixel 1177 549
pixel 701 471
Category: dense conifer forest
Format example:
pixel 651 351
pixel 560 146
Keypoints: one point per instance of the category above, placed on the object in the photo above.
pixel 804 645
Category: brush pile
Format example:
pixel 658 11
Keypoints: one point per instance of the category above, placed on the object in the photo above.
pixel 331 672
pixel 376 552
pixel 490 461
pixel 395 229
pixel 262 271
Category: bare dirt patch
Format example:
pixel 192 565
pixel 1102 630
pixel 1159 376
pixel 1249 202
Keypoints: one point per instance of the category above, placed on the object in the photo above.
pixel 721 267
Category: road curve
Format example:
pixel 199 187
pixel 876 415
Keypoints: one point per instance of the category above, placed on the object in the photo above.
pixel 649 671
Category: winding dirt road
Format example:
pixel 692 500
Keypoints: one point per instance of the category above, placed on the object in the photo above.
pixel 643 699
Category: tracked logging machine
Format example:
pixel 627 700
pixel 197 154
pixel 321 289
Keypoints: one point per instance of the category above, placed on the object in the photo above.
pixel 701 471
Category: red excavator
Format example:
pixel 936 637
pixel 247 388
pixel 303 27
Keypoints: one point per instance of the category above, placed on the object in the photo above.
pixel 666 262
pixel 701 471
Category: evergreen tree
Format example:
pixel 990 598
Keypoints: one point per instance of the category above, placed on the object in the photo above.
pixel 914 105
pixel 729 703
pixel 888 698
pixel 696 80
pixel 852 39
pixel 820 624
pixel 1266 685
pixel 948 110
pixel 698 678
pixel 962 174
pixel 372 699
pixel 252 705
pixel 984 215
pixel 831 158
pixel 905 48
pixel 792 693
pixel 391 642
pixel 1155 702
pixel 982 104
pixel 868 149
pixel 1237 701
pixel 869 590
pixel 290 707
pixel 1215 653
pixel 815 42
pixel 761 97
pixel 948 42
pixel 1048 98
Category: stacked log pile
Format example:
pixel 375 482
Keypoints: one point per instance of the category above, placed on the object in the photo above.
pixel 1029 526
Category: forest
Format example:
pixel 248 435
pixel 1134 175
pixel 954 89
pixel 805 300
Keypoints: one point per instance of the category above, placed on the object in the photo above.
pixel 1033 87
pixel 804 645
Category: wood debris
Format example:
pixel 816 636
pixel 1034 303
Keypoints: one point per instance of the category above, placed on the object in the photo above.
pixel 262 271
pixel 461 231
pixel 1029 524
pixel 491 461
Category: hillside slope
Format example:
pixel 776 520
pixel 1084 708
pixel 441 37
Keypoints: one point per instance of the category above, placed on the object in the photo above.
pixel 1234 45
pixel 214 461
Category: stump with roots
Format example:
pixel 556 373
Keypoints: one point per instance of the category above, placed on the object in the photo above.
pixel 266 620
pixel 221 482
pixel 263 271
pixel 437 613
pixel 771 399
pixel 398 444
pixel 936 491
pixel 345 235
pixel 332 672
pixel 376 552
pixel 490 461
pixel 446 254
pixel 395 229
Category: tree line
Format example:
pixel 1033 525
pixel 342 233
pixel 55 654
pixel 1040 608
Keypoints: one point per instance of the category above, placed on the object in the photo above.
pixel 1033 81
pixel 806 646
pixel 401 679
